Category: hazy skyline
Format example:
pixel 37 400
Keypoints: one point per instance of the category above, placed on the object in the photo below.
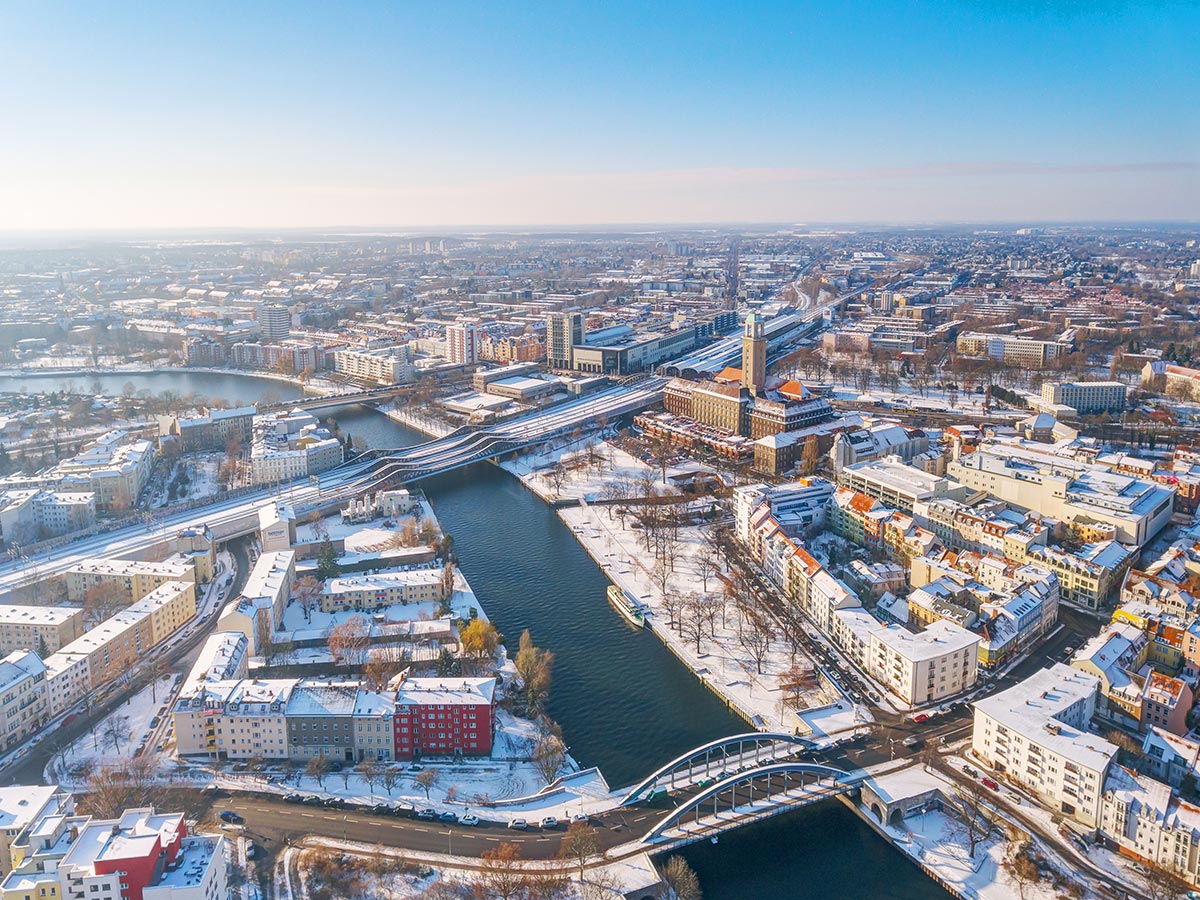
pixel 458 114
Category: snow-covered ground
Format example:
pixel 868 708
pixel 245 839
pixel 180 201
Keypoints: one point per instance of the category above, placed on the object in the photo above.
pixel 721 661
pixel 114 738
pixel 581 483
pixel 368 537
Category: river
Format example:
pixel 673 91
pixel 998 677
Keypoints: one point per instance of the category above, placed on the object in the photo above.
pixel 625 704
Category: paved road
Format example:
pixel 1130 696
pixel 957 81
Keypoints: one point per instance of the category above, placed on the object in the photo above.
pixel 273 823
pixel 179 658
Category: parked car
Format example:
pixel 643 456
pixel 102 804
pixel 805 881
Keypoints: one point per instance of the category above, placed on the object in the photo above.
pixel 252 851
pixel 312 800
pixel 911 742
pixel 406 810
pixel 921 718
pixel 967 770
pixel 381 809
pixel 989 783
pixel 427 815
pixel 293 798
pixel 579 817
pixel 470 820
pixel 228 815
pixel 549 822
pixel 518 824
pixel 448 817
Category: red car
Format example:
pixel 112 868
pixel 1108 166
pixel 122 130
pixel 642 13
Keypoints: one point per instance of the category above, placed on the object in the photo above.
pixel 921 717
pixel 989 783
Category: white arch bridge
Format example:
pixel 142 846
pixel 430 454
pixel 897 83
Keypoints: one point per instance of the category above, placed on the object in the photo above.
pixel 732 781
pixel 748 796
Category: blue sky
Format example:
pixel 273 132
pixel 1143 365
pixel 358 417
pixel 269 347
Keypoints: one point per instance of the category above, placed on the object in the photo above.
pixel 444 113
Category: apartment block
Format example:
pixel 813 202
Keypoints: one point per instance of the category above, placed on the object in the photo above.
pixel 42 629
pixel 1036 734
pixel 133 578
pixel 23 806
pixel 1087 397
pixel 1027 353
pixel 24 707
pixel 383 589
pixel 260 607
pixel 381 365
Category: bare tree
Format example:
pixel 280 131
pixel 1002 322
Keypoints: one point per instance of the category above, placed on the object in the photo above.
pixel 318 768
pixel 969 818
pixel 548 756
pixel 501 875
pixel 427 779
pixel 1023 868
pixel 681 879
pixel 582 842
pixel 370 772
pixel 691 620
pixel 1161 884
pixel 349 640
pixel 115 729
pixel 308 595
pixel 391 778
pixel 756 640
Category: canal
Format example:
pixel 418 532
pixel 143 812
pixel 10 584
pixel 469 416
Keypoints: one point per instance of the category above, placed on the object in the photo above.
pixel 624 703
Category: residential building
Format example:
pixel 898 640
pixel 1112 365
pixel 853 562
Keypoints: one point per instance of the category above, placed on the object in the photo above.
pixel 1086 397
pixel 445 717
pixel 42 629
pixel 258 612
pixel 274 321
pixel 143 855
pixel 563 332
pixel 462 343
pixel 24 707
pixel 134 579
pixel 1036 734
pixel 922 668
pixel 372 591
pixel 303 718
pixel 381 365
pixel 1146 820
pixel 34 514
pixel 1027 353
pixel 21 807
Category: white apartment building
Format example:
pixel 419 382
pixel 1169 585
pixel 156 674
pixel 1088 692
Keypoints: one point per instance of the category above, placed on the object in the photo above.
pixel 68 679
pixel 1149 822
pixel 382 589
pixel 1034 477
pixel 23 703
pixel 462 343
pixel 35 514
pixel 275 321
pixel 939 662
pixel 1028 353
pixel 1036 734
pixel 240 719
pixel 224 656
pixel 382 365
pixel 22 806
pixel 285 461
pixel 1086 397
pixel 263 599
